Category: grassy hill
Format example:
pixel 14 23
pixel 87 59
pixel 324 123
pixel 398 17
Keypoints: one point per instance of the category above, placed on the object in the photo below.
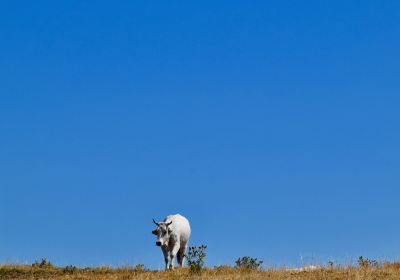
pixel 22 272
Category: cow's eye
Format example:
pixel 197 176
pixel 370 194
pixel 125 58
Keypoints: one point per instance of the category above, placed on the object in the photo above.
pixel 154 232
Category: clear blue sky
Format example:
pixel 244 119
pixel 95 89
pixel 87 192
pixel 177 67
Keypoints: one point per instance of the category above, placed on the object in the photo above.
pixel 273 126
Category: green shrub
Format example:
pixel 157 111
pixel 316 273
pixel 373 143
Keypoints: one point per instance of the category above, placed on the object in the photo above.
pixel 331 264
pixel 44 263
pixel 248 263
pixel 364 262
pixel 195 258
pixel 70 269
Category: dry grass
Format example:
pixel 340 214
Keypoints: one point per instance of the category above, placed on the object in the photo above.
pixel 20 272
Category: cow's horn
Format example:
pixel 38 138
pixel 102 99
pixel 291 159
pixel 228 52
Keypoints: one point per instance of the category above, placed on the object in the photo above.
pixel 169 223
pixel 156 223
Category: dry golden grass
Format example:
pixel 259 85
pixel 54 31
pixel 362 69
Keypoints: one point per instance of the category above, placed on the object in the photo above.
pixel 20 272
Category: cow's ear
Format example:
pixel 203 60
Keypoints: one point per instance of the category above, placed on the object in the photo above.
pixel 154 232
pixel 169 230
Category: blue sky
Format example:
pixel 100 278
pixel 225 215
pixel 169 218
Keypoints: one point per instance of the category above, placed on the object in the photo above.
pixel 273 126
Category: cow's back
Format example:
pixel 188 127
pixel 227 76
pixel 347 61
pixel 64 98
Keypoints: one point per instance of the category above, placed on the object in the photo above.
pixel 180 225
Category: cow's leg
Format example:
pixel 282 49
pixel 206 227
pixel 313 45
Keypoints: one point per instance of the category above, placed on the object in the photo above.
pixel 165 252
pixel 179 257
pixel 181 254
pixel 174 251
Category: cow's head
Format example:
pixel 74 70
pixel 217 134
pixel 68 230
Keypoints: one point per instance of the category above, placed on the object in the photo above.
pixel 162 232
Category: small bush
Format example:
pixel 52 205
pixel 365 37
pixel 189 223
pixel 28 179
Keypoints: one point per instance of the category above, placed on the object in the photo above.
pixel 70 269
pixel 44 263
pixel 248 263
pixel 195 258
pixel 331 264
pixel 364 262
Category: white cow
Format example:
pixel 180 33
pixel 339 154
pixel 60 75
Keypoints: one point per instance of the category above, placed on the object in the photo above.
pixel 172 236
